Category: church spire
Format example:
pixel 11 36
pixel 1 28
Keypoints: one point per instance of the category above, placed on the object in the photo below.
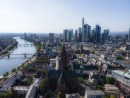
pixel 64 58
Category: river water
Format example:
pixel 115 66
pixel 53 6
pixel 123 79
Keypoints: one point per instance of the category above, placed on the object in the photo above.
pixel 7 64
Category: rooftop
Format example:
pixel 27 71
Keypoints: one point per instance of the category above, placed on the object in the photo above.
pixel 109 87
pixel 94 92
pixel 21 88
pixel 123 73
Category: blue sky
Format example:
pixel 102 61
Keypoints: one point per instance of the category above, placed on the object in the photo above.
pixel 56 15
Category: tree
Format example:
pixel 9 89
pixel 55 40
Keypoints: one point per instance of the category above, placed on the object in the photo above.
pixel 112 96
pixel 119 58
pixel 110 80
pixel 6 74
pixel 60 95
pixel 14 70
pixel 80 79
pixel 44 85
pixel 99 87
pixel 7 94
pixel 105 97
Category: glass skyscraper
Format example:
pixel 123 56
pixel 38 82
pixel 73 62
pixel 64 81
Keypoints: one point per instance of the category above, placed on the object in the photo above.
pixel 98 33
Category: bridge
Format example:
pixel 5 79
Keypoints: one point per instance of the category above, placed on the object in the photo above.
pixel 24 54
pixel 25 45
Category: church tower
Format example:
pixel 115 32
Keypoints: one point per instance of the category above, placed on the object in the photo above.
pixel 64 59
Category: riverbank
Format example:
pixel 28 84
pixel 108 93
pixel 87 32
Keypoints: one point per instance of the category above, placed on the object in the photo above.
pixel 9 49
pixel 16 63
pixel 21 67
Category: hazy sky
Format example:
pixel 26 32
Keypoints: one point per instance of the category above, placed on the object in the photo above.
pixel 56 15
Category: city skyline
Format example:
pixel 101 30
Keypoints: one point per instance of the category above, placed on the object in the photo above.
pixel 54 16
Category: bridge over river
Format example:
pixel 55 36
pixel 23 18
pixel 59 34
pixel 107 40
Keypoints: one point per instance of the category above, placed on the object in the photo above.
pixel 23 51
pixel 26 45
pixel 24 54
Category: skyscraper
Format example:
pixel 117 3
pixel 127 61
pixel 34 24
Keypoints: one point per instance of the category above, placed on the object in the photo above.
pixel 129 35
pixel 70 35
pixel 76 36
pixel 82 34
pixel 98 33
pixel 93 35
pixel 51 37
pixel 105 35
pixel 87 30
pixel 65 35
pixel 79 34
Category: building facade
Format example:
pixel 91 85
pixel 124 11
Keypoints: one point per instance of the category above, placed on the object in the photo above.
pixel 123 80
pixel 98 33
pixel 94 94
pixel 129 35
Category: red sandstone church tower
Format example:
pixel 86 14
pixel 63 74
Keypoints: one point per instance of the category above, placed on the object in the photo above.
pixel 64 62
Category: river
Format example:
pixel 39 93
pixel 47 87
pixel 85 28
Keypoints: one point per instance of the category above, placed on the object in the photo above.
pixel 7 64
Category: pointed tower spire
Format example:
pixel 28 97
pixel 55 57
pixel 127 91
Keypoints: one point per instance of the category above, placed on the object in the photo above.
pixel 83 29
pixel 64 58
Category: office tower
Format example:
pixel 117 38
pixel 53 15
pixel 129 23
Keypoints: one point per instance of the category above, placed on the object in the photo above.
pixel 87 30
pixel 76 36
pixel 57 40
pixel 61 38
pixel 33 36
pixel 65 35
pixel 129 35
pixel 98 33
pixel 109 38
pixel 79 34
pixel 82 34
pixel 70 35
pixel 105 35
pixel 93 35
pixel 51 37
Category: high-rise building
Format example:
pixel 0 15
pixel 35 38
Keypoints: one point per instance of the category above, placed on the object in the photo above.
pixel 79 34
pixel 98 33
pixel 129 35
pixel 87 30
pixel 76 36
pixel 93 35
pixel 82 34
pixel 65 35
pixel 51 37
pixel 105 35
pixel 70 35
